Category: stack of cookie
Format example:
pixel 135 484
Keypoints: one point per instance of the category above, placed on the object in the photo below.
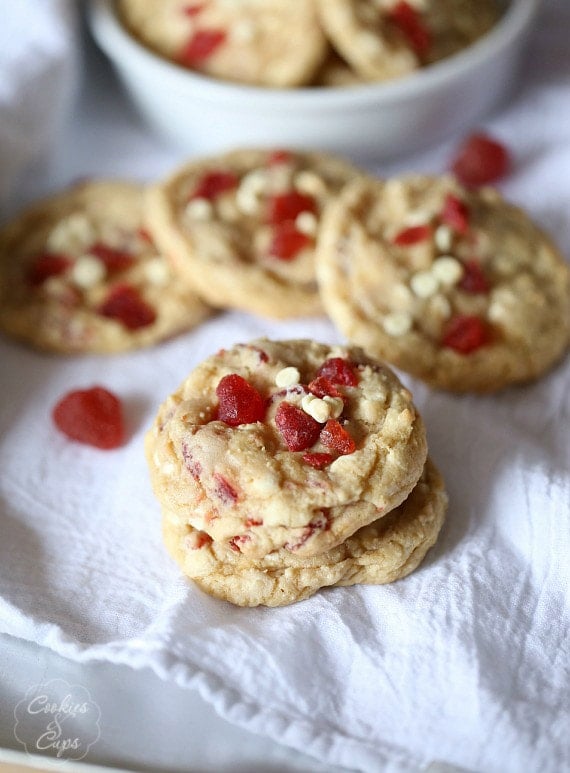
pixel 284 44
pixel 284 467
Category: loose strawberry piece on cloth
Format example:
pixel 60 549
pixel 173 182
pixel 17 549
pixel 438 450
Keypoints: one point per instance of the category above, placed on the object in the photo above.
pixel 214 183
pixel 410 23
pixel 455 214
pixel 285 207
pixel 318 461
pixel 465 334
pixel 239 401
pixel 412 235
pixel 287 242
pixel 339 371
pixel 125 305
pixel 201 46
pixel 474 280
pixel 113 260
pixel 480 160
pixel 91 416
pixel 46 266
pixel 299 430
pixel 333 435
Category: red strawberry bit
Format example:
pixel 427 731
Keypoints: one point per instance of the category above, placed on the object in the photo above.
pixel 193 10
pixel 474 280
pixel 254 522
pixel 192 465
pixel 318 461
pixel 46 266
pixel 321 523
pixel 481 160
pixel 455 214
pixel 287 242
pixel 91 416
pixel 263 356
pixel 413 235
pixel 323 387
pixel 411 25
pixel 145 235
pixel 465 334
pixel 113 260
pixel 339 371
pixel 285 207
pixel 277 157
pixel 201 46
pixel 224 490
pixel 239 540
pixel 213 184
pixel 299 430
pixel 125 305
pixel 197 540
pixel 333 435
pixel 239 401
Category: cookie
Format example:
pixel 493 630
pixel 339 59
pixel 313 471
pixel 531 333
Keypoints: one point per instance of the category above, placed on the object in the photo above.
pixel 387 39
pixel 285 447
pixel 79 273
pixel 241 227
pixel 273 43
pixel 454 286
pixel 384 551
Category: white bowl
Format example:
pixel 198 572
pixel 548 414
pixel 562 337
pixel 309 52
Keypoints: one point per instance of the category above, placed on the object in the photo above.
pixel 203 115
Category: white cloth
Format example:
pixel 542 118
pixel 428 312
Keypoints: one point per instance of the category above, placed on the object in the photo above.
pixel 465 662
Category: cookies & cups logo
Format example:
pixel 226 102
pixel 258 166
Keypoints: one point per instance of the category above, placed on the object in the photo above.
pixel 57 719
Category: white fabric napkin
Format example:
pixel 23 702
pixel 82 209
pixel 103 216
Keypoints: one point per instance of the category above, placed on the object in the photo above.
pixel 465 662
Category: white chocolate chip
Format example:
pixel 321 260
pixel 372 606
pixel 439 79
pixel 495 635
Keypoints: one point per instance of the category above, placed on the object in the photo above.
pixel 168 468
pixel 447 270
pixel 440 306
pixel 157 272
pixel 306 223
pixel 199 209
pixel 414 219
pixel 311 183
pixel 424 284
pixel 505 264
pixel 317 408
pixel 398 323
pixel 71 234
pixel 336 405
pixel 244 31
pixel 249 192
pixel 443 238
pixel 87 272
pixel 287 377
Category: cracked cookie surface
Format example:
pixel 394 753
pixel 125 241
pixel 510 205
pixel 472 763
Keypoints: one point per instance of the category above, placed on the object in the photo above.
pixel 384 551
pixel 331 442
pixel 455 286
pixel 79 273
pixel 241 228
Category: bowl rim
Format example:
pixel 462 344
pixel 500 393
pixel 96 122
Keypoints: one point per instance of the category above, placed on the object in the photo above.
pixel 116 41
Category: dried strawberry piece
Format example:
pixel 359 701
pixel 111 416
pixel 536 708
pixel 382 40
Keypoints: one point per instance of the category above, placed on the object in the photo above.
pixel 321 523
pixel 318 461
pixel 91 416
pixel 254 522
pixel 333 435
pixel 474 280
pixel 213 184
pixel 201 46
pixel 323 387
pixel 125 305
pixel 481 160
pixel 299 430
pixel 339 371
pixel 45 266
pixel 113 260
pixel 455 214
pixel 224 490
pixel 239 401
pixel 192 465
pixel 197 540
pixel 410 23
pixel 277 157
pixel 412 235
pixel 193 10
pixel 287 242
pixel 465 334
pixel 284 207
pixel 239 540
pixel 145 235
